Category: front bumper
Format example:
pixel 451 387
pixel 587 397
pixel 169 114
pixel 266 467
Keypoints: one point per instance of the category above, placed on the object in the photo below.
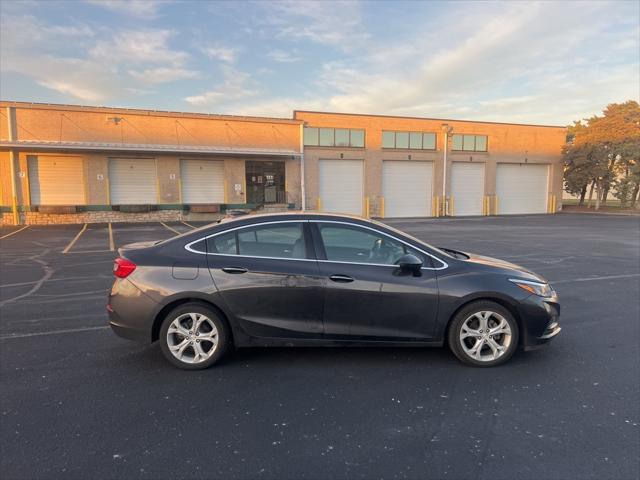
pixel 540 321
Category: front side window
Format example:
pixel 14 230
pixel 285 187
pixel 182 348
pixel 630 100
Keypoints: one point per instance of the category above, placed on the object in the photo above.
pixel 344 243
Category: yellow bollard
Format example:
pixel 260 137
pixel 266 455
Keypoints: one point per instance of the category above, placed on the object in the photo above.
pixel 319 204
pixel 381 207
pixel 366 207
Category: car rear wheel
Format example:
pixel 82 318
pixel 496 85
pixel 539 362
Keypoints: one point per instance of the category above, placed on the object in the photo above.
pixel 483 334
pixel 193 336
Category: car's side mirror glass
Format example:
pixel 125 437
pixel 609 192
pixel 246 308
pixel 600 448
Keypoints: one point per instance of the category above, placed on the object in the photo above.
pixel 409 262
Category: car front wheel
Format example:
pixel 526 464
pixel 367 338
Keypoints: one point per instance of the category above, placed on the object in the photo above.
pixel 483 334
pixel 193 336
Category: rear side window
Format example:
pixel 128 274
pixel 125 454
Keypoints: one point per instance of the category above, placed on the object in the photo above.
pixel 278 241
pixel 224 243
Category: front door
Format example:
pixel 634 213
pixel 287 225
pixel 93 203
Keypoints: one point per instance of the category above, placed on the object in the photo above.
pixel 265 182
pixel 268 281
pixel 367 297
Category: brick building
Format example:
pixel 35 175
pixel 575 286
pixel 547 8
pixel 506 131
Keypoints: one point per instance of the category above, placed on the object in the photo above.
pixel 67 164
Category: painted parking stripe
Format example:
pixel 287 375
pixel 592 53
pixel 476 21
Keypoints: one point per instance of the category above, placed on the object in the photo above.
pixel 75 239
pixel 112 245
pixel 54 332
pixel 14 232
pixel 595 279
pixel 169 228
pixel 188 224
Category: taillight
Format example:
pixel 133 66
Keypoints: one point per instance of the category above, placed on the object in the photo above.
pixel 122 267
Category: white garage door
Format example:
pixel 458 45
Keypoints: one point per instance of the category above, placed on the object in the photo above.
pixel 341 186
pixel 467 188
pixel 407 188
pixel 522 188
pixel 132 181
pixel 56 180
pixel 202 181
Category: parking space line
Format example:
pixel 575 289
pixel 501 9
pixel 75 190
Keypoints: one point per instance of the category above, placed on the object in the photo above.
pixel 75 239
pixel 14 232
pixel 188 225
pixel 90 251
pixel 112 245
pixel 54 332
pixel 169 228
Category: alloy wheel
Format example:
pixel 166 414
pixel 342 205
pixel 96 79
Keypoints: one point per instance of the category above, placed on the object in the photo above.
pixel 192 338
pixel 485 336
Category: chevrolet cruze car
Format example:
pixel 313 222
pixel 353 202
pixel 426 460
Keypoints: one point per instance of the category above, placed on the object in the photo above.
pixel 323 280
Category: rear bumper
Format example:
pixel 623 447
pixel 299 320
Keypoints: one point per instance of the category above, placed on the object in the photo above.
pixel 131 312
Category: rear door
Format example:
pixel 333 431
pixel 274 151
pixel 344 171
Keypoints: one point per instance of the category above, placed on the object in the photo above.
pixel 268 277
pixel 367 297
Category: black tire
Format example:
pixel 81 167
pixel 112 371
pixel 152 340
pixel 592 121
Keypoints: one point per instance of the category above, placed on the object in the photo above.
pixel 223 335
pixel 455 343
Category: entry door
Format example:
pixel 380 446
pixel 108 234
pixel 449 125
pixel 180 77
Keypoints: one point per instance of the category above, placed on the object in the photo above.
pixel 467 188
pixel 132 181
pixel 341 186
pixel 522 188
pixel 407 188
pixel 367 296
pixel 267 280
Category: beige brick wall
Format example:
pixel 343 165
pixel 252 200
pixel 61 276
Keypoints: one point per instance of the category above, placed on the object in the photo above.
pixel 507 143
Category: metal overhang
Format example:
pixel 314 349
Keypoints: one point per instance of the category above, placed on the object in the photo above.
pixel 145 148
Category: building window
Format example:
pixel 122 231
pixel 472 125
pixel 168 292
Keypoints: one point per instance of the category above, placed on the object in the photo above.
pixel 333 137
pixel 326 137
pixel 409 140
pixel 469 143
pixel 311 136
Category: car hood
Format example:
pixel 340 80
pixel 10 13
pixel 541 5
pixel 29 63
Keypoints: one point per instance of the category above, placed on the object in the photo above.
pixel 503 266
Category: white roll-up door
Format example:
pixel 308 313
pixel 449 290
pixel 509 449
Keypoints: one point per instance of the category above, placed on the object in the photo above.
pixel 132 181
pixel 341 186
pixel 56 180
pixel 522 188
pixel 202 181
pixel 407 188
pixel 467 188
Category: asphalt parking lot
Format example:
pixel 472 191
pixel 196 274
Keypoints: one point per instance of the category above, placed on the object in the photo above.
pixel 78 402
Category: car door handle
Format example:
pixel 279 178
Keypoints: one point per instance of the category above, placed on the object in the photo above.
pixel 234 270
pixel 341 278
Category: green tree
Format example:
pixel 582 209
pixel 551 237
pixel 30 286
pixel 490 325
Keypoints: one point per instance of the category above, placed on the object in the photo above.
pixel 604 151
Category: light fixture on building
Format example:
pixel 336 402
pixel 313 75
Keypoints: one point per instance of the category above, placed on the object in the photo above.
pixel 114 120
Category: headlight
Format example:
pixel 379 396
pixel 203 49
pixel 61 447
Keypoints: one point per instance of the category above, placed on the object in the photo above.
pixel 537 288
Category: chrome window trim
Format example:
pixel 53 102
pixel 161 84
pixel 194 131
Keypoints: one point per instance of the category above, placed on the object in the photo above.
pixel 444 264
pixel 188 245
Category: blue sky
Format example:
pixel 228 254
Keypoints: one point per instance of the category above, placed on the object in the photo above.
pixel 547 62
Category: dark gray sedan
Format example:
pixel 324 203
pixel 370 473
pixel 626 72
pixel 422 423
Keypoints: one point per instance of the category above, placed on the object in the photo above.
pixel 323 280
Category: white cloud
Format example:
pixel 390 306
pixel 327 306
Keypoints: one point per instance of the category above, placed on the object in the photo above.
pixel 283 56
pixel 335 23
pixel 236 86
pixel 162 74
pixel 138 8
pixel 104 64
pixel 222 53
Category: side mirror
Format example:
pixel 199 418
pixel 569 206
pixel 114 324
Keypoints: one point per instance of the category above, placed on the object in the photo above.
pixel 410 263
